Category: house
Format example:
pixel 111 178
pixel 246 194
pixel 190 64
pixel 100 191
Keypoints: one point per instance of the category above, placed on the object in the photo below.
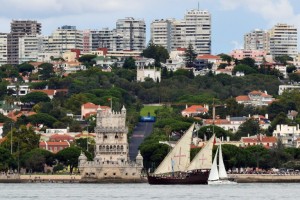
pixel 88 109
pixel 255 98
pixel 6 107
pixel 15 115
pixel 50 92
pixel 61 137
pixel 233 123
pixel 85 135
pixel 288 134
pixel 267 142
pixel 194 110
pixel 153 73
pixel 283 88
pixel 19 90
pixel 54 147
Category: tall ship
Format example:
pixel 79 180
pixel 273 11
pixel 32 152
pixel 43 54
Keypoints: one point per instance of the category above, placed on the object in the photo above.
pixel 176 168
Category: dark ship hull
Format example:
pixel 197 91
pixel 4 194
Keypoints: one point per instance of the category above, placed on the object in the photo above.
pixel 197 177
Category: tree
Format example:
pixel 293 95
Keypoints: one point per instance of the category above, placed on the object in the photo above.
pixel 6 159
pixel 250 126
pixel 46 71
pixel 283 59
pixel 129 63
pixel 26 67
pixel 248 61
pixel 35 97
pixel 35 159
pixel 226 58
pixel 69 157
pixel 42 118
pixel 159 53
pixel 244 68
pixel 190 56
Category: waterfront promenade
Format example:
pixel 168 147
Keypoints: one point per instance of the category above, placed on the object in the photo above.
pixel 265 178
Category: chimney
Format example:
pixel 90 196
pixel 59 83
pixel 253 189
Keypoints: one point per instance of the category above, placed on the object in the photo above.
pixel 186 106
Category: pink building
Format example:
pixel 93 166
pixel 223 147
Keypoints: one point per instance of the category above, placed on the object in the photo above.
pixel 89 109
pixel 240 54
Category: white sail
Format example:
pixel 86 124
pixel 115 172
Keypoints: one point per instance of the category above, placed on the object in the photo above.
pixel 222 170
pixel 203 158
pixel 179 157
pixel 214 174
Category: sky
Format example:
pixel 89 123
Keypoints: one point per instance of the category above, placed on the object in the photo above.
pixel 231 19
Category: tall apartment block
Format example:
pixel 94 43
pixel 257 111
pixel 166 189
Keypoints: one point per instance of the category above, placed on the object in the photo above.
pixel 256 40
pixel 65 38
pixel 194 29
pixel 161 32
pixel 19 28
pixel 130 34
pixel 3 48
pixel 283 40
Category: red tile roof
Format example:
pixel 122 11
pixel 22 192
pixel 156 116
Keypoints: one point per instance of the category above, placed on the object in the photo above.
pixel 93 106
pixel 242 98
pixel 195 109
pixel 208 56
pixel 217 121
pixel 2 139
pixel 48 92
pixel 60 137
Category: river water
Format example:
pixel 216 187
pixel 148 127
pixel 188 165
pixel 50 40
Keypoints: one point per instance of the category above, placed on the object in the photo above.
pixel 75 191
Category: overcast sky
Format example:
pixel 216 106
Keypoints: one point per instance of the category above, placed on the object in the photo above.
pixel 231 19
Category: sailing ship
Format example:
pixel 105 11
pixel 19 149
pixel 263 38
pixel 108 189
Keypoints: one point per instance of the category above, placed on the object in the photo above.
pixel 176 168
pixel 218 175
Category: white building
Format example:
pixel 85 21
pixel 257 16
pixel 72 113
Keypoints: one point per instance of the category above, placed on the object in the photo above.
pixel 65 38
pixel 288 134
pixel 20 90
pixel 111 162
pixel 256 40
pixel 143 73
pixel 194 29
pixel 283 88
pixel 161 32
pixel 283 40
pixel 3 48
pixel 30 46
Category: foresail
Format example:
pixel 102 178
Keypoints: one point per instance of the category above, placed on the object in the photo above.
pixel 179 157
pixel 203 158
pixel 214 174
pixel 222 170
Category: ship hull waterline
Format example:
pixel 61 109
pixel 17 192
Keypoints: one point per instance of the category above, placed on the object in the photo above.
pixel 190 178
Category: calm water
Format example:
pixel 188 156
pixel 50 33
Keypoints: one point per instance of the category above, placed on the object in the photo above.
pixel 45 191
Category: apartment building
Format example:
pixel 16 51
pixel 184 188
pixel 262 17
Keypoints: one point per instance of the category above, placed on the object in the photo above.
pixel 194 29
pixel 3 48
pixel 283 40
pixel 65 38
pixel 256 40
pixel 19 28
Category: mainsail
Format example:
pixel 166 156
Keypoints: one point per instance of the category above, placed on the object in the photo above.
pixel 222 170
pixel 179 157
pixel 203 158
pixel 214 174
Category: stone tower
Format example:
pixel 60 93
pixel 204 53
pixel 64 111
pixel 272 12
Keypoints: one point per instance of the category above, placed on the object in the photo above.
pixel 111 162
pixel 111 136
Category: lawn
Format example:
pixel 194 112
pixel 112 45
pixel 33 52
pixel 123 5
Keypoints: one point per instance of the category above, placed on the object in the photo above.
pixel 149 109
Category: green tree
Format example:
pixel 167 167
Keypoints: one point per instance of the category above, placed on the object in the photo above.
pixel 129 63
pixel 25 67
pixel 35 160
pixel 190 56
pixel 69 157
pixel 46 71
pixel 226 58
pixel 248 61
pixel 159 53
pixel 6 159
pixel 283 59
pixel 250 127
pixel 35 97
pixel 244 68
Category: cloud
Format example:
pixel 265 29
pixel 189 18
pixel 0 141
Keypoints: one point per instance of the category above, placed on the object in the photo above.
pixel 273 11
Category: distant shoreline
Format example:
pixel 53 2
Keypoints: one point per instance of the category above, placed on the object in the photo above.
pixel 239 178
pixel 265 178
